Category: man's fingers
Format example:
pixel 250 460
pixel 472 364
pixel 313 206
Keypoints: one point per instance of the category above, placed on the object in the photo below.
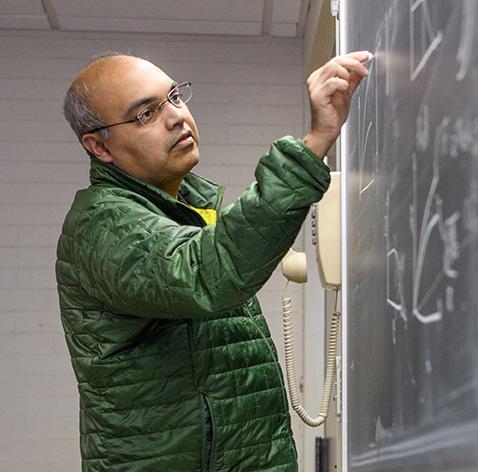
pixel 343 67
pixel 355 80
pixel 336 84
pixel 360 56
pixel 352 65
pixel 330 71
pixel 324 94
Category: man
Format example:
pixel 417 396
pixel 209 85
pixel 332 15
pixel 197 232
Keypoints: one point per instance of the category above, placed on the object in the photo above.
pixel 174 360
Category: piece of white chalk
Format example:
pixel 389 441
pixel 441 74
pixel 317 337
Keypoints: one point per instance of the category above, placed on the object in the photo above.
pixel 370 57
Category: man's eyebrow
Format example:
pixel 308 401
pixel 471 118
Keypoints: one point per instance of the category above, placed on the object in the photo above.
pixel 144 101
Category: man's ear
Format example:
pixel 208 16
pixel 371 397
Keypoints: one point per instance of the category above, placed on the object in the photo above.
pixel 95 144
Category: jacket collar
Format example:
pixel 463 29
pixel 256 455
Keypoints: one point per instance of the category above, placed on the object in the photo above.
pixel 198 191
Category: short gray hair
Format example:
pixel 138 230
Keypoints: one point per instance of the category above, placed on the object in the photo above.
pixel 77 105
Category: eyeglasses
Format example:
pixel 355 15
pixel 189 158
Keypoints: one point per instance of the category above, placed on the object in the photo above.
pixel 151 114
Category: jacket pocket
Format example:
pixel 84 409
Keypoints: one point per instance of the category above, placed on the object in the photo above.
pixel 208 434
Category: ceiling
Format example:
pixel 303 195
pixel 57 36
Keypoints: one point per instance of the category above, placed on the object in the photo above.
pixel 283 18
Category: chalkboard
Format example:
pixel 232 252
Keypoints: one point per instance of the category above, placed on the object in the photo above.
pixel 410 164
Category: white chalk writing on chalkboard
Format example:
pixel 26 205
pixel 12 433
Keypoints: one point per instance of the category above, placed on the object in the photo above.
pixel 423 39
pixel 432 220
pixel 447 229
pixel 466 42
pixel 395 274
pixel 471 209
pixel 364 134
pixel 367 122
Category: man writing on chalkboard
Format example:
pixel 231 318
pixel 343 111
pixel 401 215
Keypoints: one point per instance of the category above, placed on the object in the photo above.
pixel 174 360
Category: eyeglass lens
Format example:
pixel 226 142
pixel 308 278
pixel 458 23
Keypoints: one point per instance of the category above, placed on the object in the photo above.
pixel 177 97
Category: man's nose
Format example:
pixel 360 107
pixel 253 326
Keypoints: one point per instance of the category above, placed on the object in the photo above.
pixel 174 115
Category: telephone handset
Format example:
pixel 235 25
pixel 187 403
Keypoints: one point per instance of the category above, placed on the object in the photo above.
pixel 326 237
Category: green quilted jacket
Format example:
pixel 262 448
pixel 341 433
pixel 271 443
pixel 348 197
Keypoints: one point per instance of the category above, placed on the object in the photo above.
pixel 175 365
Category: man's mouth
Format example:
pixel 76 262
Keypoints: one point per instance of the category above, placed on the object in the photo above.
pixel 186 139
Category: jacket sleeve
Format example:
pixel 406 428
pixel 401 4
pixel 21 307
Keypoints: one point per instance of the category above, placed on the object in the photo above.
pixel 140 263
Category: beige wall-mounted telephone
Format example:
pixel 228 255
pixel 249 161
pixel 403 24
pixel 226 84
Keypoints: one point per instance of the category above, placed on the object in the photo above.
pixel 326 237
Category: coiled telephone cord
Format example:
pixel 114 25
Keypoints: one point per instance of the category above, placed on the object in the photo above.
pixel 290 365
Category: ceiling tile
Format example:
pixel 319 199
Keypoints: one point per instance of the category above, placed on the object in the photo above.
pixel 203 10
pixel 24 22
pixel 21 7
pixel 286 11
pixel 160 26
pixel 288 30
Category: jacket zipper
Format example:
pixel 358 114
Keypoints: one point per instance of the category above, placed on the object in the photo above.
pixel 211 466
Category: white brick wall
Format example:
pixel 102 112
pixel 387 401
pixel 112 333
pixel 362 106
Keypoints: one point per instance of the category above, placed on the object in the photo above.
pixel 247 92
